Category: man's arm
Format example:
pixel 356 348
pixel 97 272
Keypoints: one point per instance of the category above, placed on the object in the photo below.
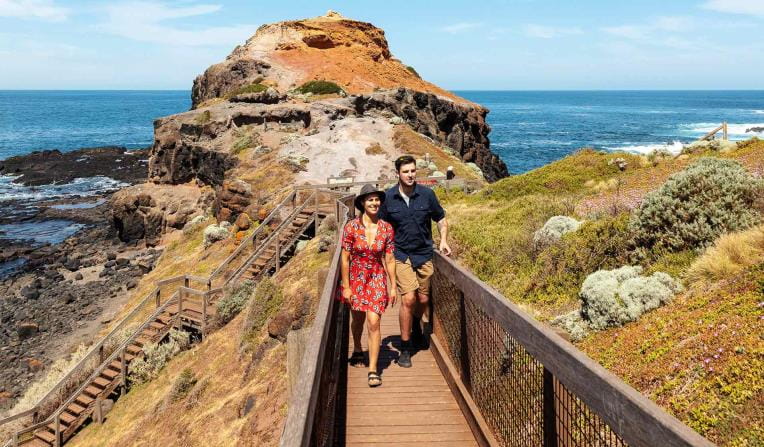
pixel 443 230
pixel 439 216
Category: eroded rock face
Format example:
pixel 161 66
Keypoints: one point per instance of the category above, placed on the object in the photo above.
pixel 145 212
pixel 461 127
pixel 232 199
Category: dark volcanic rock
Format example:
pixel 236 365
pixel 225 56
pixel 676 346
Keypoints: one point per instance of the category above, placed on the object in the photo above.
pixel 53 166
pixel 459 126
pixel 270 96
pixel 219 80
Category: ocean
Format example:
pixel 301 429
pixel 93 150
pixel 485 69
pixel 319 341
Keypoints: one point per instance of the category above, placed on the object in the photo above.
pixel 529 128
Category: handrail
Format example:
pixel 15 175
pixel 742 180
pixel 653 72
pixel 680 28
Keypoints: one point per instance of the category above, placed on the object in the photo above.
pixel 423 180
pixel 709 135
pixel 96 348
pixel 302 407
pixel 253 257
pixel 638 420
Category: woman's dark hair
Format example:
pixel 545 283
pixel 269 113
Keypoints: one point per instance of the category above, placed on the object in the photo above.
pixel 403 160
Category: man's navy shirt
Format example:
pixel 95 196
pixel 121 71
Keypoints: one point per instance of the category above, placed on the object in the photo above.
pixel 412 223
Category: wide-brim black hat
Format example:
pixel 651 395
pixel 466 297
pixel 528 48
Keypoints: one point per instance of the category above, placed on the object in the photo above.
pixel 366 191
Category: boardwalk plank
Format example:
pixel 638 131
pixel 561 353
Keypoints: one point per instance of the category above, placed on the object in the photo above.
pixel 413 407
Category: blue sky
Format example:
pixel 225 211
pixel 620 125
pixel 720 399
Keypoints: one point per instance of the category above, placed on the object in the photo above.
pixel 488 44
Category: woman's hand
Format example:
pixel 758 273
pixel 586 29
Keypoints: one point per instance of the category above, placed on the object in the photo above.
pixel 347 293
pixel 392 296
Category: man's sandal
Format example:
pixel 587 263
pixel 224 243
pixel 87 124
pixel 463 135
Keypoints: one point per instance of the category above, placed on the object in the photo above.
pixel 357 359
pixel 374 379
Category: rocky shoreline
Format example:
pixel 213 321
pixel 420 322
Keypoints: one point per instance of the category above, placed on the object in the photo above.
pixel 55 296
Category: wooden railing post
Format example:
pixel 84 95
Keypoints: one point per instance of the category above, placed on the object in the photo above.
pixel 204 315
pixel 178 317
pixel 15 439
pixel 724 130
pixel 317 220
pixel 186 282
pixel 100 354
pixel 550 416
pixel 57 440
pixel 124 372
pixel 159 291
pixel 98 410
pixel 278 252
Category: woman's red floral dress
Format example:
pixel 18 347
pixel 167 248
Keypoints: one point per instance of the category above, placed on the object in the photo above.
pixel 368 279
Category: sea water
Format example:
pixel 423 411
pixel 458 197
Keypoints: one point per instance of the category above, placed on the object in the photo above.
pixel 529 128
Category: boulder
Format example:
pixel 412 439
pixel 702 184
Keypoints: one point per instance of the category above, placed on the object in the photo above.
pixel 30 292
pixel 72 264
pixel 27 330
pixel 243 222
pixel 232 199
pixel 280 325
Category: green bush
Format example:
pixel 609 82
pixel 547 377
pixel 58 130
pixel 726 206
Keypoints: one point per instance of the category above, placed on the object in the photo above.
pixel 554 228
pixel 560 268
pixel 183 384
pixel 234 301
pixel 251 88
pixel 319 88
pixel 695 206
pixel 266 301
pixel 156 356
pixel 414 72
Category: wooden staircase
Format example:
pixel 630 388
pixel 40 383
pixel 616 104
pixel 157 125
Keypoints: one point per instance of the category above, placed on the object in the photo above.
pixel 187 308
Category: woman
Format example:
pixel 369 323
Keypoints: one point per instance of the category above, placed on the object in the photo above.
pixel 368 275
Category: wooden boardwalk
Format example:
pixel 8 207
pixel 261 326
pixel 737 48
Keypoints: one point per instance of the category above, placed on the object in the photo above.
pixel 413 407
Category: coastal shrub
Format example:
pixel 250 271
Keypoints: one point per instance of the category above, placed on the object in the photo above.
pixel 414 72
pixel 710 197
pixel 554 228
pixel 611 298
pixel 156 356
pixel 214 233
pixel 234 301
pixel 251 88
pixel 730 255
pixel 203 117
pixel 182 385
pixel 266 300
pixel 319 88
pixel 560 268
pixel 568 175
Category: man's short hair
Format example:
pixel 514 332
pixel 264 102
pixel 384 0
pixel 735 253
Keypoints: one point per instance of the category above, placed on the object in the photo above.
pixel 403 160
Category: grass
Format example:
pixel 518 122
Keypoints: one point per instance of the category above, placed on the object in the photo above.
pixel 209 413
pixel 251 88
pixel 409 142
pixel 730 254
pixel 319 88
pixel 700 356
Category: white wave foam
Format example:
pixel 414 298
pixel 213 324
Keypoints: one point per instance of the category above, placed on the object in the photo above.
pixel 758 112
pixel 737 130
pixel 674 147
pixel 87 186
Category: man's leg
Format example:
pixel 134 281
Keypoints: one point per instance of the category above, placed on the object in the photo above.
pixel 407 286
pixel 406 315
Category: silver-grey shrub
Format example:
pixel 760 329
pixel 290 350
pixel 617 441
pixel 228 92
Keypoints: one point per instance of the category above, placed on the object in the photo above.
pixel 611 298
pixel 554 228
pixel 234 301
pixel 156 356
pixel 695 206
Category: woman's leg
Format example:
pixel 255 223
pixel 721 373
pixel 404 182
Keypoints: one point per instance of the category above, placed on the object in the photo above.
pixel 375 338
pixel 356 328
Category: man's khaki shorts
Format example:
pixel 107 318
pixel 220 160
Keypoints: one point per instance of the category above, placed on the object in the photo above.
pixel 409 278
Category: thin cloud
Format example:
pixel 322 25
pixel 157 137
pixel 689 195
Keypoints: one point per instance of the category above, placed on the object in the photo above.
pixel 459 27
pixel 748 7
pixel 657 26
pixel 33 9
pixel 143 21
pixel 549 32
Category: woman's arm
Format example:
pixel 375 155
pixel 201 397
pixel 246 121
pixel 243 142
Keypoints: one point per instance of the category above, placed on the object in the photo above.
pixel 390 268
pixel 345 274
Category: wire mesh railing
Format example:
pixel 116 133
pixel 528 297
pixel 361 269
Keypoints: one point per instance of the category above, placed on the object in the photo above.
pixel 530 386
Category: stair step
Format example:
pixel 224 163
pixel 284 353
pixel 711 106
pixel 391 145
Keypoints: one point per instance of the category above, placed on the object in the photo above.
pixel 84 400
pixel 101 382
pixel 36 442
pixel 92 391
pixel 134 349
pixel 68 418
pixel 45 435
pixel 110 373
pixel 157 326
pixel 116 365
pixel 75 408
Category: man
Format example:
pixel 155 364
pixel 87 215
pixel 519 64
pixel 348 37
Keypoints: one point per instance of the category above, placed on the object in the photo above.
pixel 411 209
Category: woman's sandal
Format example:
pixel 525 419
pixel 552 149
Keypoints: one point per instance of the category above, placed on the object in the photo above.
pixel 374 379
pixel 357 359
